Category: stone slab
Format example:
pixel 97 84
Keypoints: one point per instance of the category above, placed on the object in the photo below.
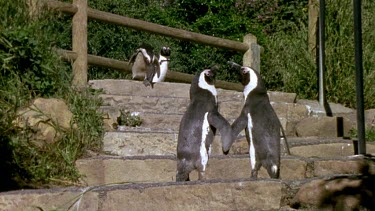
pixel 169 119
pixel 170 89
pixel 166 105
pixel 243 194
pixel 136 88
pixel 350 166
pixel 150 169
pixel 50 199
pixel 144 142
pixel 315 109
pixel 324 150
pixel 236 195
pixel 140 143
pixel 109 170
pixel 320 126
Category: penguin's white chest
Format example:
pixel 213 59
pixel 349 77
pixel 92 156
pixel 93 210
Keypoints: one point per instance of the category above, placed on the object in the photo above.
pixel 251 148
pixel 163 61
pixel 203 151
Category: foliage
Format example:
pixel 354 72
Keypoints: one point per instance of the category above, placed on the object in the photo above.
pixel 129 119
pixel 280 28
pixel 30 69
pixel 369 134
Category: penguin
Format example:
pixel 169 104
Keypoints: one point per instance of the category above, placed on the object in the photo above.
pixel 198 127
pixel 164 56
pixel 149 67
pixel 261 124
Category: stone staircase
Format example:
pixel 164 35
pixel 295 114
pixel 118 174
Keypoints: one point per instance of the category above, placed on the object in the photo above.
pixel 136 170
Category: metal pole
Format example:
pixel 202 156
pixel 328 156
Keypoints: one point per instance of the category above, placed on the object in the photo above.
pixel 321 52
pixel 359 77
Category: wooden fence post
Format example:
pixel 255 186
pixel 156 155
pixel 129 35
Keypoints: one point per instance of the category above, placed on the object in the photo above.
pixel 251 57
pixel 34 8
pixel 79 33
pixel 313 22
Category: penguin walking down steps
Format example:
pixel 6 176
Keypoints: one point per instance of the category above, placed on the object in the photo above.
pixel 149 67
pixel 261 124
pixel 161 72
pixel 198 127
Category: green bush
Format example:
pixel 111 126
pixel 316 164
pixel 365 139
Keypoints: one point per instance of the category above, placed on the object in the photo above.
pixel 280 27
pixel 29 69
pixel 288 66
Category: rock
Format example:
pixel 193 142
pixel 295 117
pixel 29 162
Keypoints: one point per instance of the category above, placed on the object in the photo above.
pixel 282 97
pixel 320 126
pixel 315 109
pixel 324 150
pixel 47 118
pixel 337 193
pixel 290 114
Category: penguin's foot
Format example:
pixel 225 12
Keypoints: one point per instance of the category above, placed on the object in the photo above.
pixel 146 83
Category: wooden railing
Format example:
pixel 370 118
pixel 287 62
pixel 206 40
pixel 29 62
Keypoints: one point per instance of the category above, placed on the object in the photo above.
pixel 78 55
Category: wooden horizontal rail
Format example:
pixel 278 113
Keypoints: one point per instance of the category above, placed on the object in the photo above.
pixel 126 67
pixel 152 27
pixel 166 31
pixel 61 6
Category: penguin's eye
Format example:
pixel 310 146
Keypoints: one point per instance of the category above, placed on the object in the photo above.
pixel 243 70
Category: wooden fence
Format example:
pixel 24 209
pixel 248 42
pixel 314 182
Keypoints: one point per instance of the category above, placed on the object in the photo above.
pixel 81 13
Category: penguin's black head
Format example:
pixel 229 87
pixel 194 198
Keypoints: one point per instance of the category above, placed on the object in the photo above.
pixel 203 86
pixel 209 74
pixel 165 51
pixel 245 75
pixel 249 78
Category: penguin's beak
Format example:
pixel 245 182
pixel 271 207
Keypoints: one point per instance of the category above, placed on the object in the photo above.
pixel 234 65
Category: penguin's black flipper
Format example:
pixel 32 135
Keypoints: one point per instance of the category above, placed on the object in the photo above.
pixel 132 58
pixel 216 120
pixel 151 69
pixel 238 125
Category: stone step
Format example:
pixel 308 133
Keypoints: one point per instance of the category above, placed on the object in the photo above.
pixel 142 142
pixel 211 195
pixel 218 194
pixel 175 90
pixel 171 105
pixel 166 113
pixel 103 170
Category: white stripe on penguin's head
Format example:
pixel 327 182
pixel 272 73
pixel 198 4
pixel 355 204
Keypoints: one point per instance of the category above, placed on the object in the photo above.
pixel 253 80
pixel 204 85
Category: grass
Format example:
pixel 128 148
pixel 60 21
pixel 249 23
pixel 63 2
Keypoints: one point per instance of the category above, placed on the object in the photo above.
pixel 369 134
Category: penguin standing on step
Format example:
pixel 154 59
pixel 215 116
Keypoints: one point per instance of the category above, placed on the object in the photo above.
pixel 198 127
pixel 161 72
pixel 147 66
pixel 261 124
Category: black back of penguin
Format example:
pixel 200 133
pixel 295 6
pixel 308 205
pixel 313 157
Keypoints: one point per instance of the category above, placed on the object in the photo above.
pixel 198 126
pixel 260 121
pixel 201 101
